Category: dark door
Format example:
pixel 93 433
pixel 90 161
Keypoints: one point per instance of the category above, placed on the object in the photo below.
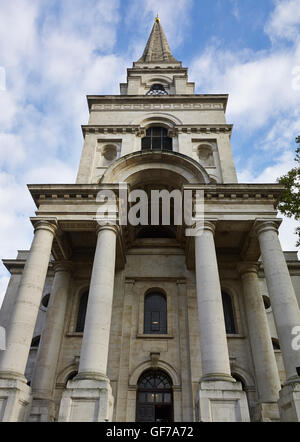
pixel 154 398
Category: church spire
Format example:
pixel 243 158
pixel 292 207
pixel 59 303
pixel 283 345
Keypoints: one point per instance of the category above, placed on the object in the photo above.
pixel 157 48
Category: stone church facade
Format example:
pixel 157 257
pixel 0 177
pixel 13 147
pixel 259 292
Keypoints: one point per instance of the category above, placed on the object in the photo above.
pixel 116 322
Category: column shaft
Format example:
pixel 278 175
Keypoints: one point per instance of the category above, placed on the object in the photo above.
pixel 46 365
pixel 214 350
pixel 95 344
pixel 21 327
pixel 283 300
pixel 266 370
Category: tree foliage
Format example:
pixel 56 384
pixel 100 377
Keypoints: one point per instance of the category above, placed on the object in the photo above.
pixel 289 203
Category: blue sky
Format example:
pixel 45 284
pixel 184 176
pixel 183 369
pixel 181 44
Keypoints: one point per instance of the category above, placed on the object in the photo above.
pixel 54 52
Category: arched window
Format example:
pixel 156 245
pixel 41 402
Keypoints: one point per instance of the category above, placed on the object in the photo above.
pixel 157 89
pixel 155 313
pixel 81 312
pixel 154 397
pixel 228 314
pixel 157 139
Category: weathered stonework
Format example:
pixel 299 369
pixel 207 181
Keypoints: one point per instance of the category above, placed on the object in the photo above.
pixel 93 373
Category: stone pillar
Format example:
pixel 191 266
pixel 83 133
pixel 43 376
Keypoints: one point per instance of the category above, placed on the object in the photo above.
pixel 286 314
pixel 220 397
pixel 91 384
pixel 266 371
pixel 14 392
pixel 43 381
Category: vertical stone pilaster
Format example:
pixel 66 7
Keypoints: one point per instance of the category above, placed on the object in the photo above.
pixel 184 348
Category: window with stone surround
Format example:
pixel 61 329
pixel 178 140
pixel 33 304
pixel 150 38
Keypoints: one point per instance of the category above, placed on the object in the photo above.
pixel 155 313
pixel 81 312
pixel 228 314
pixel 156 139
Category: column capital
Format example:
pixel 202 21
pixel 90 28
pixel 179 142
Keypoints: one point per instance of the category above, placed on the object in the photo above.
pixel 247 267
pixel 45 224
pixel 264 225
pixel 62 266
pixel 109 226
pixel 205 225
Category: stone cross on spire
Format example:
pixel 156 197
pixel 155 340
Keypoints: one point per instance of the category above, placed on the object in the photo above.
pixel 157 48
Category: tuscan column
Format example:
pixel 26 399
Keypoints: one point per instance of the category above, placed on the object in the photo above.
pixel 47 359
pixel 214 350
pixel 19 333
pixel 267 376
pixel 283 300
pixel 95 344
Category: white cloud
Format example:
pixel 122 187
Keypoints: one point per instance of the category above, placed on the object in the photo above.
pixel 287 235
pixel 53 55
pixel 284 21
pixel 261 98
pixel 259 84
pixel 3 285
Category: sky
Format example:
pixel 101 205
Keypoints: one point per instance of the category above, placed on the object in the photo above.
pixel 55 52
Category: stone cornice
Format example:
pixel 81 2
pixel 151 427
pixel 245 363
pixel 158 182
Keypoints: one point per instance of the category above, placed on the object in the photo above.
pixel 86 193
pixel 141 131
pixel 16 266
pixel 237 192
pixel 160 102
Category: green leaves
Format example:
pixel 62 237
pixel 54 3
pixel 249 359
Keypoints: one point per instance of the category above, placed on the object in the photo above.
pixel 289 203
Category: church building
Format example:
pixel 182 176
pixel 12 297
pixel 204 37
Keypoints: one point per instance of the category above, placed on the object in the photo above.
pixel 120 321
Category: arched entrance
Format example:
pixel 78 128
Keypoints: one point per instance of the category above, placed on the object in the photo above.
pixel 154 401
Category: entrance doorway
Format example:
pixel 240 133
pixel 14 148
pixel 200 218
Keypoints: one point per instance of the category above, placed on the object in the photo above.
pixel 154 402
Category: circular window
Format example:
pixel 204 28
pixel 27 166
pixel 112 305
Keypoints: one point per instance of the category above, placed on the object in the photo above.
pixel 109 152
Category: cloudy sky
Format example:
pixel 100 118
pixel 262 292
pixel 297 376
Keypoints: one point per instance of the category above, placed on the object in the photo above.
pixel 55 52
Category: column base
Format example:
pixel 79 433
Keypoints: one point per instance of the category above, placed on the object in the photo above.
pixel 266 412
pixel 222 401
pixel 87 400
pixel 289 403
pixel 15 399
pixel 42 410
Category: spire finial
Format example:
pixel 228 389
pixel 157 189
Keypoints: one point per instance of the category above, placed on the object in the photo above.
pixel 157 48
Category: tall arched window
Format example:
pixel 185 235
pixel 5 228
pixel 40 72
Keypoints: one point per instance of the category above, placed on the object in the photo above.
pixel 155 313
pixel 228 313
pixel 82 312
pixel 157 138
